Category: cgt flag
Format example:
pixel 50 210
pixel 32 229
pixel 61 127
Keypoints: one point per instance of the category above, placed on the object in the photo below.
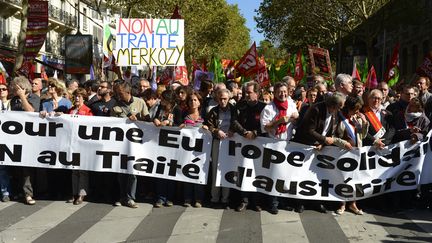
pixel 299 73
pixel 248 64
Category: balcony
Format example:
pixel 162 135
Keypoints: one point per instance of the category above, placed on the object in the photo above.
pixel 59 20
pixel 9 8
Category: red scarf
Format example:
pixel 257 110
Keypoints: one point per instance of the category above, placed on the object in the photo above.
pixel 282 107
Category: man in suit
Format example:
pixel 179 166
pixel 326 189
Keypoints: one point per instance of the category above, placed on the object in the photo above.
pixel 318 128
pixel 381 131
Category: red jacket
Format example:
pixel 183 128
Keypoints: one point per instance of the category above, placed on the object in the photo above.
pixel 83 111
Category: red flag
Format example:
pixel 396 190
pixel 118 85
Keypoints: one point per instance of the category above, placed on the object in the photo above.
pixel 181 75
pixel 355 72
pixel 262 76
pixel 2 79
pixel 299 74
pixel 393 64
pixel 43 73
pixel 248 64
pixel 176 13
pixel 371 80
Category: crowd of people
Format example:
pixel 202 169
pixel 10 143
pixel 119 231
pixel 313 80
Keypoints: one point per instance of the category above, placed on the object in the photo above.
pixel 345 114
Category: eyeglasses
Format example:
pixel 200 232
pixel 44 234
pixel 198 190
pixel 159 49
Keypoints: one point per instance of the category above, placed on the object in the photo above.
pixel 3 89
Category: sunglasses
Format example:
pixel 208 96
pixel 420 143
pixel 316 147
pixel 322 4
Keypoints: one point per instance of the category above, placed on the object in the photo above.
pixel 34 83
pixel 51 86
pixel 3 89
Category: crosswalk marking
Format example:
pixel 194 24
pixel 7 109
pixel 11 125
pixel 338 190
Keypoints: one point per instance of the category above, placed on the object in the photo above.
pixel 158 225
pixel 240 227
pixel 38 223
pixel 197 225
pixel 362 228
pixel 76 224
pixel 321 227
pixel 6 204
pixel 56 221
pixel 283 227
pixel 17 212
pixel 124 220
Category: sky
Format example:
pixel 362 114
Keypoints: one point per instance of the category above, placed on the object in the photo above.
pixel 247 9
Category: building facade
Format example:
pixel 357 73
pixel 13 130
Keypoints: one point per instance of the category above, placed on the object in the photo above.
pixel 65 17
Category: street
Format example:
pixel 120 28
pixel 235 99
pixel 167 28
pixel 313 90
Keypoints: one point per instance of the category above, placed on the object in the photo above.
pixel 56 221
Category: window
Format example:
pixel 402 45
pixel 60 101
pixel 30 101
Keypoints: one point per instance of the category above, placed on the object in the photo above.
pixel 425 47
pixel 414 58
pixel 404 61
pixel 85 19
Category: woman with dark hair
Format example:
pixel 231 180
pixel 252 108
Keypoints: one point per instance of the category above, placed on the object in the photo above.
pixel 165 189
pixel 80 178
pixel 351 130
pixel 193 119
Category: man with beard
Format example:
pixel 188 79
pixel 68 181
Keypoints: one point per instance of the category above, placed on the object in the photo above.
pixel 249 118
pixel 103 106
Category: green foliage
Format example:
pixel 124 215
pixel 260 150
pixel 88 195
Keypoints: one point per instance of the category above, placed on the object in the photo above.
pixel 297 23
pixel 212 28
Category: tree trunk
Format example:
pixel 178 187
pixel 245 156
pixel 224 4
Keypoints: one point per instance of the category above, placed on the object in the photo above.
pixel 21 37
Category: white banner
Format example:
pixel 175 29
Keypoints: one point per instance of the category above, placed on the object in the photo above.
pixel 294 170
pixel 150 42
pixel 104 144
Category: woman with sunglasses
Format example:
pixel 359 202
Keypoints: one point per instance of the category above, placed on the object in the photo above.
pixel 56 102
pixel 4 177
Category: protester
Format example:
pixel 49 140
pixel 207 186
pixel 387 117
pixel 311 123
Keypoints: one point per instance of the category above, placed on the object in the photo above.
pixel 381 130
pixel 423 84
pixel 278 118
pixel 193 192
pixel 56 102
pixel 151 99
pixel 134 109
pixel 92 87
pixel 4 175
pixel 220 122
pixel 386 100
pixel 358 88
pixel 344 84
pixel 352 128
pixel 37 86
pixel 165 189
pixel 24 100
pixel 103 106
pixel 249 118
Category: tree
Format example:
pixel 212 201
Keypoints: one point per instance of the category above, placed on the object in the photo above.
pixel 21 37
pixel 297 23
pixel 212 28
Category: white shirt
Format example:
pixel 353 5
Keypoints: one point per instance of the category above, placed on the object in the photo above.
pixel 269 113
pixel 327 123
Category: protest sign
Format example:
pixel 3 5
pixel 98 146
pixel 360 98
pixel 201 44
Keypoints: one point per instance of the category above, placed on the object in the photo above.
pixel 152 42
pixel 288 169
pixel 320 61
pixel 79 54
pixel 104 144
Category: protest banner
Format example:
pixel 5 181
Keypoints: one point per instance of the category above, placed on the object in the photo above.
pixel 152 42
pixel 320 61
pixel 273 167
pixel 289 169
pixel 37 27
pixel 104 144
pixel 79 54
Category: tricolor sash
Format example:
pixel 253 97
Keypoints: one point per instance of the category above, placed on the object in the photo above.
pixel 350 128
pixel 376 123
